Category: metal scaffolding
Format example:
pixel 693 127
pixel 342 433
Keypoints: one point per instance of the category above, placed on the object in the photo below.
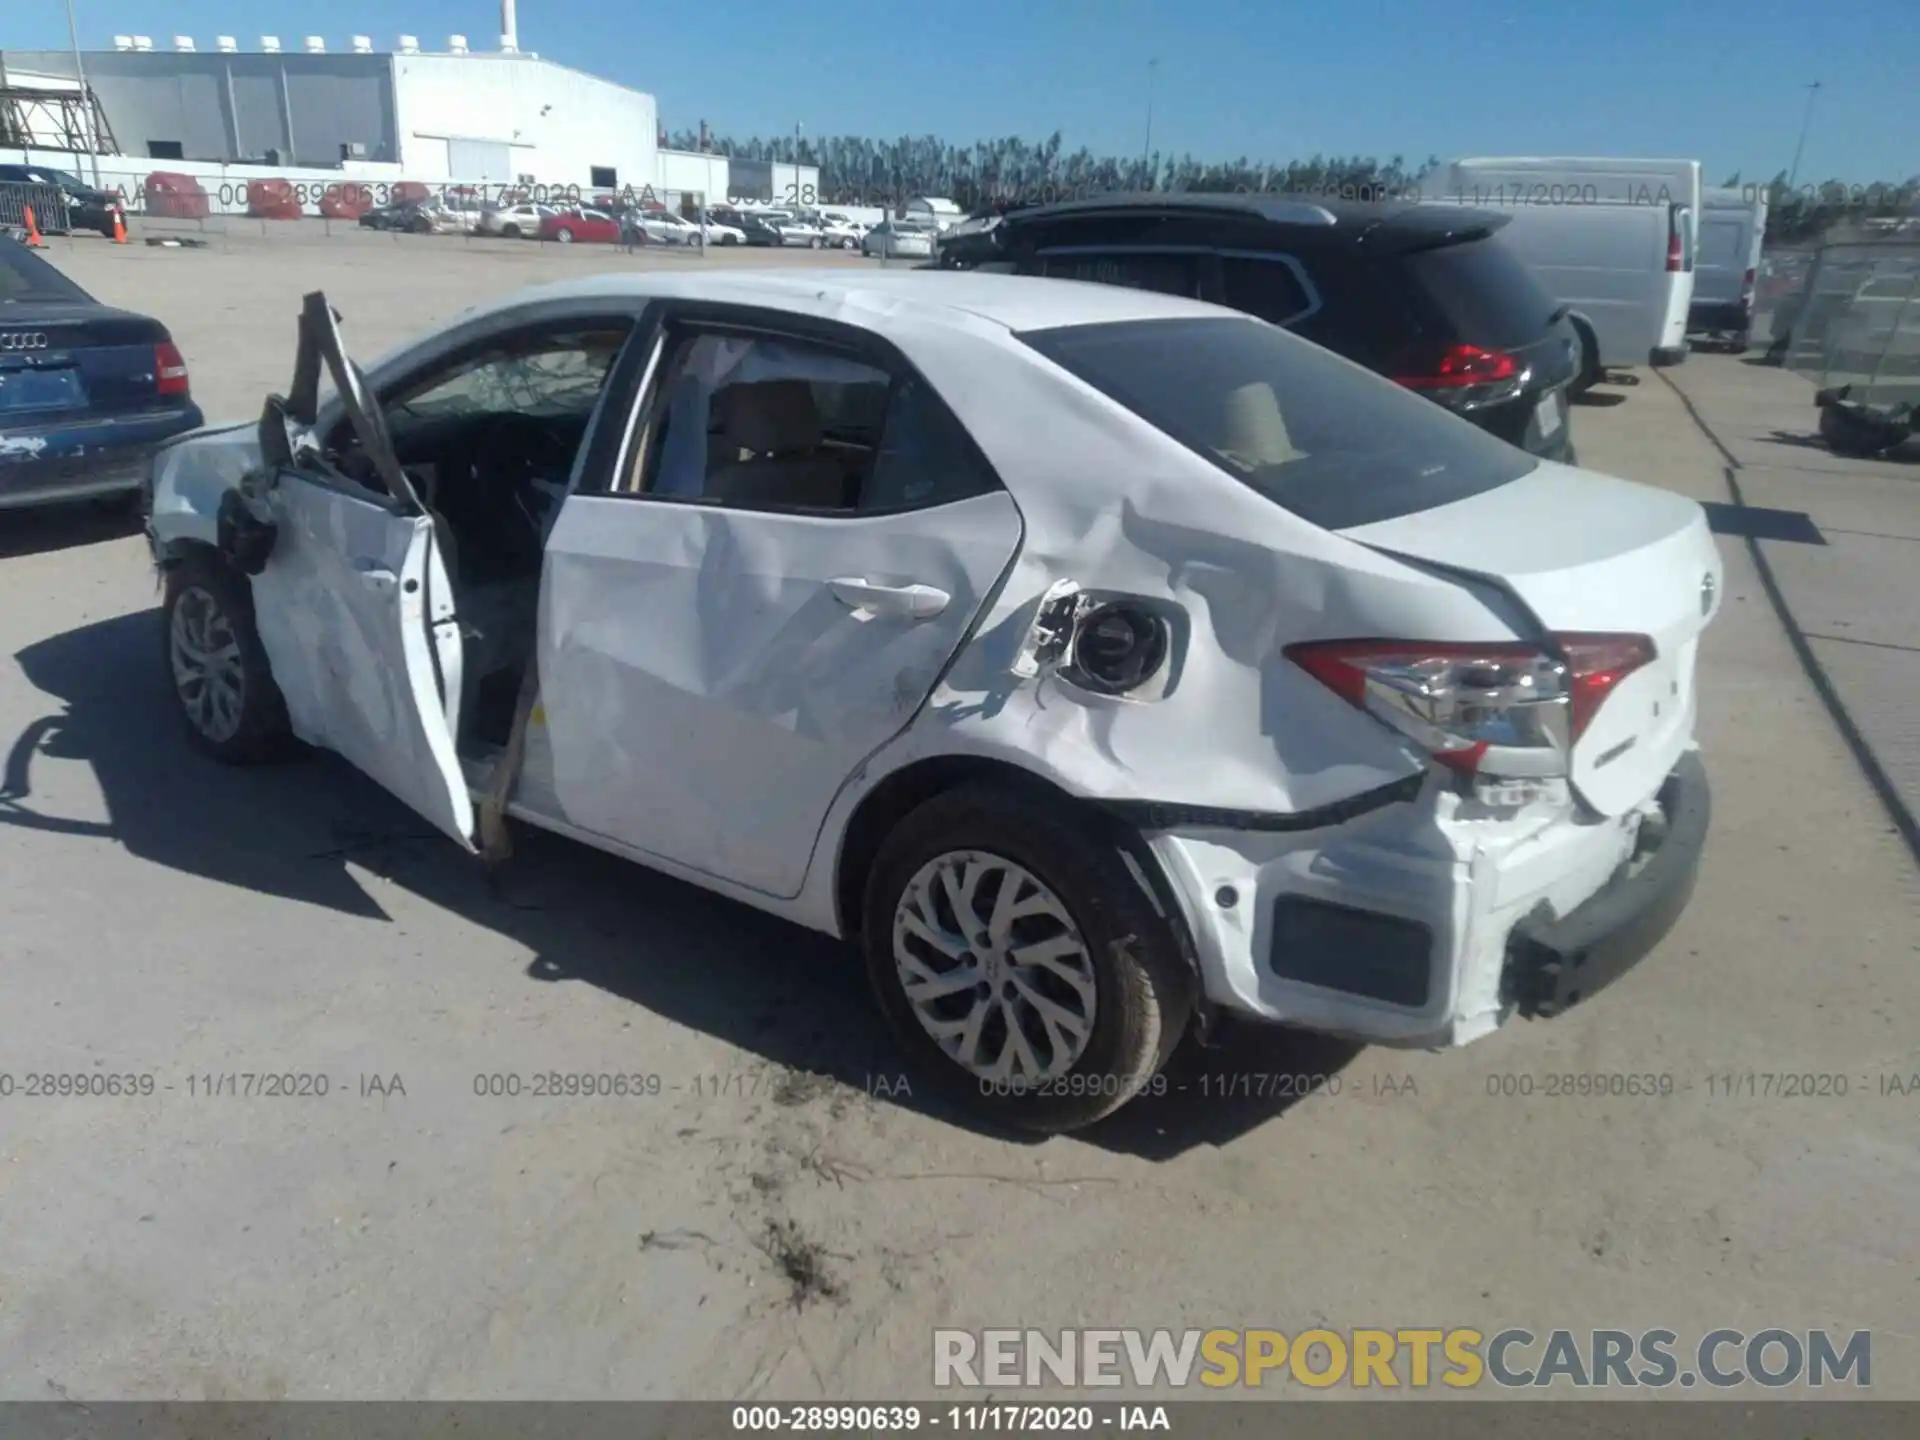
pixel 54 120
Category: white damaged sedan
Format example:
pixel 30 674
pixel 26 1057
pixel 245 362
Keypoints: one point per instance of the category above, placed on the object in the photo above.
pixel 1098 662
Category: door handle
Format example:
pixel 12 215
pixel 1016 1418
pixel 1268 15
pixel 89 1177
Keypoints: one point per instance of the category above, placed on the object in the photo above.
pixel 915 602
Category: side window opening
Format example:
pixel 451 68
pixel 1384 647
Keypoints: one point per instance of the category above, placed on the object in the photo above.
pixel 765 422
pixel 490 441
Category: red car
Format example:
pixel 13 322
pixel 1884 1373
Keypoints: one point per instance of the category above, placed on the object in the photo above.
pixel 568 226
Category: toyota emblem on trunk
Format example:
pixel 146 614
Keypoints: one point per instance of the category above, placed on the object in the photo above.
pixel 24 340
pixel 1707 589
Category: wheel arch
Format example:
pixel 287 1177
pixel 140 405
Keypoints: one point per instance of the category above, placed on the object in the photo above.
pixel 904 790
pixel 170 554
pixel 1591 369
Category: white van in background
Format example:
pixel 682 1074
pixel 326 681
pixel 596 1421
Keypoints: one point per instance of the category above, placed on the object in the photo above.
pixel 1733 222
pixel 1499 181
pixel 1612 239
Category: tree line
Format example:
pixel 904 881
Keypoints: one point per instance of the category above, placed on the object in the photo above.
pixel 858 169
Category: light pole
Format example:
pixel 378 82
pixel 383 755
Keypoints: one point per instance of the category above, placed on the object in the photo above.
pixel 1806 121
pixel 86 96
pixel 1146 150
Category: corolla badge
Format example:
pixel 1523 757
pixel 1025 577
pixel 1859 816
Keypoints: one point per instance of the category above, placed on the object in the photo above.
pixel 1708 587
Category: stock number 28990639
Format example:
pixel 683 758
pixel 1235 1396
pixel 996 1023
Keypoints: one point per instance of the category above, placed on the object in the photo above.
pixel 561 1084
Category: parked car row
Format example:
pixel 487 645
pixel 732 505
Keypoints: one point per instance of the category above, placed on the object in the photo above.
pixel 565 225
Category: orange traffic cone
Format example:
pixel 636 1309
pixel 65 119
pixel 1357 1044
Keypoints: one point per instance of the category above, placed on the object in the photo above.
pixel 119 227
pixel 34 242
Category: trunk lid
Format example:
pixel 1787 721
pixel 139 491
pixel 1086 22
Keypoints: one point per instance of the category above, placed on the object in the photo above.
pixel 78 359
pixel 1586 553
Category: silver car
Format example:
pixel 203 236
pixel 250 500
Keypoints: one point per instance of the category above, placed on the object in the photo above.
pixel 898 239
pixel 514 222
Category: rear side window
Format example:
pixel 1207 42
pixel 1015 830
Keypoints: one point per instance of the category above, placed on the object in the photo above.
pixel 1485 292
pixel 1137 270
pixel 1333 443
pixel 1271 289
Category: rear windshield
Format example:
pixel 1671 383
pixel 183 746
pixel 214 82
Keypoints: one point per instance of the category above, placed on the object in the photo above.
pixel 1335 444
pixel 1486 292
pixel 25 276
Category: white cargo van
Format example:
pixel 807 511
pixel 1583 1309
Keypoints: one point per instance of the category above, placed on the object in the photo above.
pixel 1733 222
pixel 1612 239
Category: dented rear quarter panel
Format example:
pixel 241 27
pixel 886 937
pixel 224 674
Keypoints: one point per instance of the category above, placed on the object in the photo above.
pixel 1114 505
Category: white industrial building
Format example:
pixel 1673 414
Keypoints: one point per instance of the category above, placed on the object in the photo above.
pixel 309 111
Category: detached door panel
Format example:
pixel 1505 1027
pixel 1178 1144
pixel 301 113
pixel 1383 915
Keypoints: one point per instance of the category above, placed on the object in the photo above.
pixel 710 677
pixel 356 614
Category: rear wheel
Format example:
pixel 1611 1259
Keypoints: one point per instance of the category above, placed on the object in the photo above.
pixel 563 235
pixel 1591 371
pixel 510 232
pixel 233 709
pixel 1020 963
pixel 813 242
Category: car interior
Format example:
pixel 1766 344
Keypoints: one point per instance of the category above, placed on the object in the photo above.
pixel 747 421
pixel 490 446
pixel 759 422
pixel 755 421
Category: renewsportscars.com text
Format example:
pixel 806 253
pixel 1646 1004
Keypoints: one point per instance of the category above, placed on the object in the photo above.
pixel 1416 1359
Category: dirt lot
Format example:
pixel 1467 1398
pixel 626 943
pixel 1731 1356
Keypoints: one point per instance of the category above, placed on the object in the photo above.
pixel 783 1219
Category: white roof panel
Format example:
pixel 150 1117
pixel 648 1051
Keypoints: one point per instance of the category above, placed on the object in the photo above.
pixel 868 298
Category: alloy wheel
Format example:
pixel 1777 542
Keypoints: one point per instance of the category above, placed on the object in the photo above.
pixel 208 673
pixel 994 967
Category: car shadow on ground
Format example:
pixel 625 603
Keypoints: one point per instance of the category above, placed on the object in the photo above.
pixel 299 831
pixel 62 527
pixel 1599 399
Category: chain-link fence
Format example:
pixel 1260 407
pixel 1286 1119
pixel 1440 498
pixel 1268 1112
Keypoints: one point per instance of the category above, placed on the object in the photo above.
pixel 1847 313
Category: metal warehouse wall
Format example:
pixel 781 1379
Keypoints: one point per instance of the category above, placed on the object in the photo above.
pixel 688 172
pixel 555 124
pixel 238 107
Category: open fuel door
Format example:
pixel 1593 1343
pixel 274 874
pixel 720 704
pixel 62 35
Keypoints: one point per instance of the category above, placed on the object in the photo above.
pixel 354 604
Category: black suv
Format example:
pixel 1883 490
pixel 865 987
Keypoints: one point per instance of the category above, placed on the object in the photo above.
pixel 87 208
pixel 1426 295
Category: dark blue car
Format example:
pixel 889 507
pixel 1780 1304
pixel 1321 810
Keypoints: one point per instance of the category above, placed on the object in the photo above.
pixel 87 392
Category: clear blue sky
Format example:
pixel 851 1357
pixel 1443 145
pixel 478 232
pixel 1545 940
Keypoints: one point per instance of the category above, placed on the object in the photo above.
pixel 1721 80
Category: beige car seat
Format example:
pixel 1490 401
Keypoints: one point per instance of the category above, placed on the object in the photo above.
pixel 770 453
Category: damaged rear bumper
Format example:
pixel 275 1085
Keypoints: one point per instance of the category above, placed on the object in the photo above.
pixel 89 458
pixel 1427 923
pixel 1554 964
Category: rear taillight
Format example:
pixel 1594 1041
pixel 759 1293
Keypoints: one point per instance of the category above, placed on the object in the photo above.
pixel 1676 253
pixel 1510 710
pixel 1464 365
pixel 1746 284
pixel 169 368
pixel 1596 664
